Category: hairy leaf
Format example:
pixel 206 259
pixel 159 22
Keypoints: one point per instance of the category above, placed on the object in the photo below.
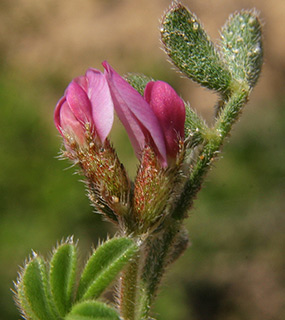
pixel 33 293
pixel 103 266
pixel 192 51
pixel 63 275
pixel 92 310
pixel 242 46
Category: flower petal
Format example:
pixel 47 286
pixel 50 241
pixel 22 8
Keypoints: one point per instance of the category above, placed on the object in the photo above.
pixel 82 81
pixel 169 109
pixel 56 116
pixel 79 103
pixel 101 102
pixel 70 125
pixel 135 113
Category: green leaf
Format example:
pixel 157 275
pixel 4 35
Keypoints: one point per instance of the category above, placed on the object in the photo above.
pixel 32 291
pixel 103 266
pixel 191 50
pixel 63 275
pixel 138 81
pixel 92 310
pixel 242 46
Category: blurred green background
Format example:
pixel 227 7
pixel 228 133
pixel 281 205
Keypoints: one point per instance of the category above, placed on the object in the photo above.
pixel 234 268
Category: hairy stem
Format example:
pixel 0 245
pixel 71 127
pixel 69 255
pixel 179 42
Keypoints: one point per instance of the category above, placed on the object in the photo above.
pixel 214 141
pixel 129 289
pixel 158 256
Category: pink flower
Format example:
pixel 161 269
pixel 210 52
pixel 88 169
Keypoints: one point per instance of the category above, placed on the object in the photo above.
pixel 86 105
pixel 157 119
pixel 169 109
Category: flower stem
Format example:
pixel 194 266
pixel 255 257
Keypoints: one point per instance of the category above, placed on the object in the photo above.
pixel 158 256
pixel 129 289
pixel 214 140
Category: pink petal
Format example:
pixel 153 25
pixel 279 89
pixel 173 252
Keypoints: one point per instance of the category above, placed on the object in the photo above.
pixel 56 116
pixel 82 81
pixel 101 102
pixel 70 125
pixel 135 113
pixel 170 111
pixel 79 103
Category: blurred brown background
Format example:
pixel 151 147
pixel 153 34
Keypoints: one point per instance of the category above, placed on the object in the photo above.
pixel 235 266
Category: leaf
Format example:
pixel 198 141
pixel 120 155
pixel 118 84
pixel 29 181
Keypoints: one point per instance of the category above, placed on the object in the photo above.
pixel 242 46
pixel 32 291
pixel 92 310
pixel 63 275
pixel 191 50
pixel 103 266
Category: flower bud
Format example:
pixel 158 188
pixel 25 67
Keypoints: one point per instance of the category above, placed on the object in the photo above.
pixel 136 115
pixel 84 117
pixel 169 109
pixel 157 119
pixel 86 109
pixel 155 125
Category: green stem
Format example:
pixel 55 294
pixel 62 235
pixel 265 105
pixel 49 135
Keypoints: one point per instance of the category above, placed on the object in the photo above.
pixel 129 289
pixel 214 141
pixel 157 258
pixel 231 111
